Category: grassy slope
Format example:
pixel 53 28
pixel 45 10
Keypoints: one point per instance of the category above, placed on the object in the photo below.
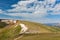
pixel 47 32
pixel 40 27
pixel 9 33
pixel 41 36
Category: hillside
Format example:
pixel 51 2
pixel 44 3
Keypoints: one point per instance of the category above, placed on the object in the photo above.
pixel 45 32
pixel 42 31
pixel 40 27
pixel 9 32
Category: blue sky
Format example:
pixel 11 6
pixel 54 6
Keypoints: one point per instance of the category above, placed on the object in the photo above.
pixel 6 4
pixel 42 11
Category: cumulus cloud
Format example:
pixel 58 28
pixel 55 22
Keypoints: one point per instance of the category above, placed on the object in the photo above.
pixel 21 6
pixel 56 10
pixel 38 11
pixel 1 11
pixel 51 1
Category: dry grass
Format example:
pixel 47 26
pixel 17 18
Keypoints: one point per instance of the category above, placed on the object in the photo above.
pixel 41 36
pixel 46 32
pixel 40 27
pixel 9 33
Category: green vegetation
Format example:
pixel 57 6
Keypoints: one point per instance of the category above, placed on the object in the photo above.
pixel 10 33
pixel 41 27
pixel 41 36
pixel 3 24
pixel 46 32
pixel 52 29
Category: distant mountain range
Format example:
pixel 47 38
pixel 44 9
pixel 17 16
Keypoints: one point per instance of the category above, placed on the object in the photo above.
pixel 53 24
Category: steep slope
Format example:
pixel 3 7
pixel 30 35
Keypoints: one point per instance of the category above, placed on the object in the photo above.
pixel 40 27
pixel 46 32
pixel 11 32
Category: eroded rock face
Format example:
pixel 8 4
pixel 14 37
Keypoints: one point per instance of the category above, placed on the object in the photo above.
pixel 23 28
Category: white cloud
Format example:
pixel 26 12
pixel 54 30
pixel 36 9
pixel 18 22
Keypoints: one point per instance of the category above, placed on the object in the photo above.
pixel 50 1
pixel 38 13
pixel 1 11
pixel 56 10
pixel 21 6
